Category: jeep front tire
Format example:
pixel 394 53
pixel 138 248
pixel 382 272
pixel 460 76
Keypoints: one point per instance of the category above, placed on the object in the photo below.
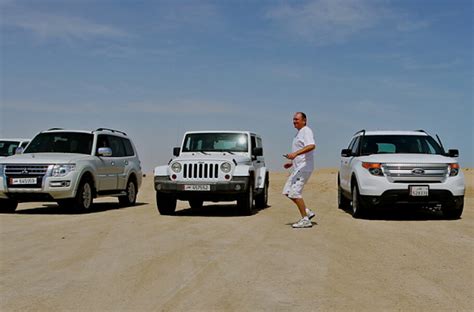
pixel 166 203
pixel 261 200
pixel 245 200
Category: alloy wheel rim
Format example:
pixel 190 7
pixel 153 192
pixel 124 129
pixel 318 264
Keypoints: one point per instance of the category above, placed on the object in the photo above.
pixel 131 192
pixel 354 200
pixel 86 196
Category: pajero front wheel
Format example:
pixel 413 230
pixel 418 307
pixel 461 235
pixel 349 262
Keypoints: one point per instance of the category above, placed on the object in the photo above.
pixel 166 203
pixel 131 194
pixel 8 205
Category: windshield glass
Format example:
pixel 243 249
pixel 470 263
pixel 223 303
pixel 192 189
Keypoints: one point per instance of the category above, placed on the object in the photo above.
pixel 7 148
pixel 61 142
pixel 398 144
pixel 215 142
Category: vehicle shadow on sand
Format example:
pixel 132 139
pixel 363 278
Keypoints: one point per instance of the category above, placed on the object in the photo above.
pixel 216 210
pixel 405 214
pixel 55 209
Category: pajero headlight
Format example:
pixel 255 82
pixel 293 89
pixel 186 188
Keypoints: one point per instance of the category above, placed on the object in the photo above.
pixel 62 170
pixel 176 167
pixel 226 167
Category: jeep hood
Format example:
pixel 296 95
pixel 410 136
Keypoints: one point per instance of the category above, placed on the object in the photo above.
pixel 43 158
pixel 408 158
pixel 213 157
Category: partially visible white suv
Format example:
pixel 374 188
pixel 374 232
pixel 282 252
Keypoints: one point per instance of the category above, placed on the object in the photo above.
pixel 214 166
pixel 9 147
pixel 71 167
pixel 399 167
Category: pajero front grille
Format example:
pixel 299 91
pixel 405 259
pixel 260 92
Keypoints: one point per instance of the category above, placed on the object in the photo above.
pixel 416 173
pixel 15 172
pixel 201 170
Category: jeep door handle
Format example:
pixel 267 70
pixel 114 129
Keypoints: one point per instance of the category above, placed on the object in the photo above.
pixel 126 162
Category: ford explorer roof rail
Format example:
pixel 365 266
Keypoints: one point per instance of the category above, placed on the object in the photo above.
pixel 111 130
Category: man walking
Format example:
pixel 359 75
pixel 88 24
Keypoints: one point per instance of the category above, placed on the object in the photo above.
pixel 302 161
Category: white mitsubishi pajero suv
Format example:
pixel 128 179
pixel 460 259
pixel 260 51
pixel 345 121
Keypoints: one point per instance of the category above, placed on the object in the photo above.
pixel 71 167
pixel 381 168
pixel 214 166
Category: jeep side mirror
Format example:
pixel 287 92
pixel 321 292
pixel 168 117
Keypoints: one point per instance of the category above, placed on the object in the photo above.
pixel 104 152
pixel 19 150
pixel 257 151
pixel 176 151
pixel 346 152
pixel 453 153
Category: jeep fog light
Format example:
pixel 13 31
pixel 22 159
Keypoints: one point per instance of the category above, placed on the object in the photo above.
pixel 176 167
pixel 374 168
pixel 226 167
pixel 454 169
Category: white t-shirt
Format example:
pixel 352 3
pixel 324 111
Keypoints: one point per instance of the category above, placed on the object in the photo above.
pixel 303 162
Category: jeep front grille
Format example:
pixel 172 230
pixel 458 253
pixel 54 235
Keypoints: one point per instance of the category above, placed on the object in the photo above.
pixel 200 170
pixel 416 173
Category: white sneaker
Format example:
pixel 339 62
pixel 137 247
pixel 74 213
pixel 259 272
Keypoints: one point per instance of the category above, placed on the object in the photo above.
pixel 310 213
pixel 302 224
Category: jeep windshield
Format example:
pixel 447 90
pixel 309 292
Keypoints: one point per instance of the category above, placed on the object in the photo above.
pixel 7 148
pixel 215 142
pixel 61 142
pixel 399 144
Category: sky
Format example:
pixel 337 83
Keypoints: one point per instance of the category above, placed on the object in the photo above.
pixel 156 69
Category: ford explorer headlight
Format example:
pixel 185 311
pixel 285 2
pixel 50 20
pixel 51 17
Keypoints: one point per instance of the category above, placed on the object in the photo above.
pixel 453 169
pixel 226 167
pixel 176 167
pixel 62 170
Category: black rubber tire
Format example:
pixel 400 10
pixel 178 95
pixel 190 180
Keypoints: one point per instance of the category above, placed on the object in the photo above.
pixel 261 200
pixel 165 203
pixel 453 212
pixel 8 205
pixel 65 203
pixel 84 199
pixel 342 201
pixel 131 198
pixel 359 209
pixel 195 204
pixel 245 201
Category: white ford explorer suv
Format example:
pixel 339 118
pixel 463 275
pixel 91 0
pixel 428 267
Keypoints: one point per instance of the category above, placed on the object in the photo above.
pixel 214 166
pixel 71 167
pixel 381 168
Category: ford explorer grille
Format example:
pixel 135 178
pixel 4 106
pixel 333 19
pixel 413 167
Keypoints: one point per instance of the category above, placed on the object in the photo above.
pixel 416 173
pixel 200 170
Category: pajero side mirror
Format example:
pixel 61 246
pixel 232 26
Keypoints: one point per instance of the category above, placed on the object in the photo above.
pixel 257 151
pixel 346 152
pixel 453 153
pixel 19 150
pixel 104 152
pixel 176 151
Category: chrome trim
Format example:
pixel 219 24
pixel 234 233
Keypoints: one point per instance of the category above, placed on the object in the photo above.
pixel 415 172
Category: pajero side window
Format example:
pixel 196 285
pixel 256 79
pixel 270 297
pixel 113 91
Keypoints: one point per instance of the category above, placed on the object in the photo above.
pixel 112 142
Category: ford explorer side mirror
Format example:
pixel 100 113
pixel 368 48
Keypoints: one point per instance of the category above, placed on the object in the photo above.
pixel 176 151
pixel 346 152
pixel 19 150
pixel 257 151
pixel 104 151
pixel 453 153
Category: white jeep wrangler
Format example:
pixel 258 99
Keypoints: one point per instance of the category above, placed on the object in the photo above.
pixel 399 168
pixel 214 166
pixel 71 167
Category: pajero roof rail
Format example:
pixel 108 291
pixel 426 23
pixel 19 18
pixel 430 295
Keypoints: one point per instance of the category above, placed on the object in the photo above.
pixel 363 132
pixel 52 129
pixel 111 130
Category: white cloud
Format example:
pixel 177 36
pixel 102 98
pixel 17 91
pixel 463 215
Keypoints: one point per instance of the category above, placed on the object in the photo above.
pixel 54 26
pixel 327 21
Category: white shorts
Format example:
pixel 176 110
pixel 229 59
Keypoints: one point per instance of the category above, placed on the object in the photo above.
pixel 295 183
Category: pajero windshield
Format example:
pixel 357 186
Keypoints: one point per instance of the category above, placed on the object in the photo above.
pixel 215 142
pixel 61 142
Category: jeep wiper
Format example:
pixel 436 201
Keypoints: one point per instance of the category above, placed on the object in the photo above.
pixel 203 152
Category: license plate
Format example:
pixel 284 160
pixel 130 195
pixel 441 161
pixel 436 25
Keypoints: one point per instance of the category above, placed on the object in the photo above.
pixel 23 181
pixel 197 187
pixel 419 191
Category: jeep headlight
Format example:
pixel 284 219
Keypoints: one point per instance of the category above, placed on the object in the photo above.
pixel 176 167
pixel 62 170
pixel 226 167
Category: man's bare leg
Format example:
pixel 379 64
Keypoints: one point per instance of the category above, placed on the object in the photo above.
pixel 301 206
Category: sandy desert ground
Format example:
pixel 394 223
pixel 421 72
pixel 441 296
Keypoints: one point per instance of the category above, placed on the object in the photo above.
pixel 134 259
